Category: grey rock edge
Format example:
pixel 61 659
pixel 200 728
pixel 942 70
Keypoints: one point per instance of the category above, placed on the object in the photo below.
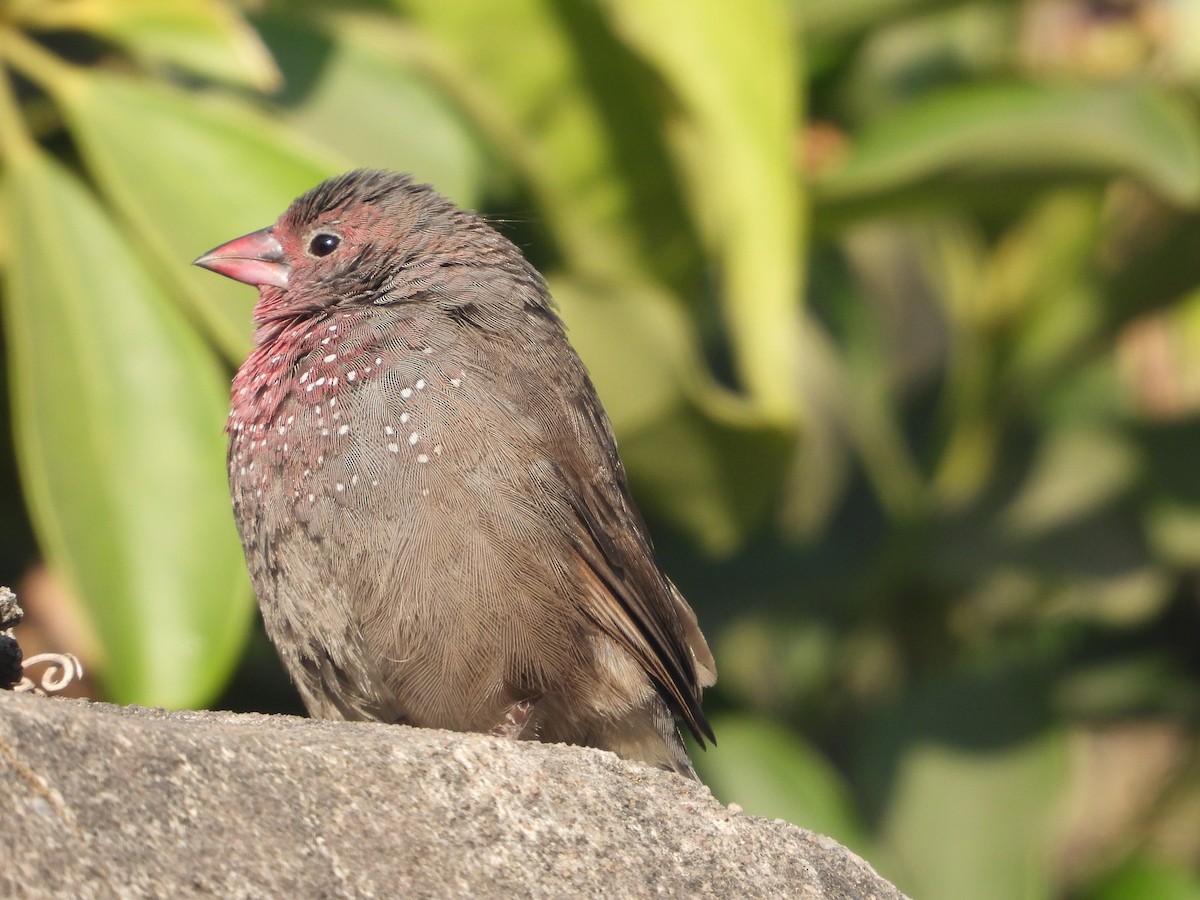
pixel 108 801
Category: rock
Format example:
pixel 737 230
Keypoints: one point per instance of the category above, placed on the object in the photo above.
pixel 107 801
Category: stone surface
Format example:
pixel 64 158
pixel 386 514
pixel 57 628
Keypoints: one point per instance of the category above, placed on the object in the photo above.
pixel 106 801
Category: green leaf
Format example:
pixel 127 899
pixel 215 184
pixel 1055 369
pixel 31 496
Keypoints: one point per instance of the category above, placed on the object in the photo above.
pixel 716 480
pixel 828 20
pixel 118 408
pixel 1142 878
pixel 966 776
pixel 770 771
pixel 206 37
pixel 1002 130
pixel 189 172
pixel 633 341
pixel 539 117
pixel 734 75
pixel 371 104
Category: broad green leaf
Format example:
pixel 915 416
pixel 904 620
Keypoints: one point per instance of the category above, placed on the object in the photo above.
pixel 776 662
pixel 966 778
pixel 634 343
pixel 1077 470
pixel 190 172
pixel 770 771
pixel 969 822
pixel 371 104
pixel 206 37
pixel 565 118
pixel 718 481
pixel 722 468
pixel 1000 131
pixel 734 73
pixel 827 20
pixel 1144 878
pixel 118 407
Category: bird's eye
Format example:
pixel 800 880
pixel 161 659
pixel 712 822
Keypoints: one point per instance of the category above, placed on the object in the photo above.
pixel 323 244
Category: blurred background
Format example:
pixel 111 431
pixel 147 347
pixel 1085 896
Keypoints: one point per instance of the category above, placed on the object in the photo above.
pixel 895 305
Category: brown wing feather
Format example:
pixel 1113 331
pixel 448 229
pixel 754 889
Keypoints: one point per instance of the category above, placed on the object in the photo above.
pixel 639 608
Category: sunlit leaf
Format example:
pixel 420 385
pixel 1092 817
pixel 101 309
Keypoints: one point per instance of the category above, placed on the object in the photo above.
pixel 206 37
pixel 372 105
pixel 1076 471
pixel 118 408
pixel 565 119
pixel 734 77
pixel 825 20
pixel 633 342
pixel 966 777
pixel 1002 130
pixel 1142 878
pixel 770 771
pixel 718 481
pixel 190 172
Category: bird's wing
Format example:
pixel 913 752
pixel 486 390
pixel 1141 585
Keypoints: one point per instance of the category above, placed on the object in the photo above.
pixel 636 606
pixel 630 598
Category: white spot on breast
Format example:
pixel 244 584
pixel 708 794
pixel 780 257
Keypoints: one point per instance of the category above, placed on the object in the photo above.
pixel 420 385
pixel 413 438
pixel 343 429
pixel 393 448
pixel 406 393
pixel 403 418
pixel 330 357
pixel 422 458
pixel 457 382
pixel 389 430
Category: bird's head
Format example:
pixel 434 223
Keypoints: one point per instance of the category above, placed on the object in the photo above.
pixel 366 238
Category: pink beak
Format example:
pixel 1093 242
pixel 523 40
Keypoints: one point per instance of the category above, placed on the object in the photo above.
pixel 256 258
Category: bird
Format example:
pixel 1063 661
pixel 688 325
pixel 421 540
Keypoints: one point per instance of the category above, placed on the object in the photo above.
pixel 435 518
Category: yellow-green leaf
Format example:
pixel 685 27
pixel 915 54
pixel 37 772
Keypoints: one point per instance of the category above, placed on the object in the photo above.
pixel 189 172
pixel 734 72
pixel 118 408
pixel 207 37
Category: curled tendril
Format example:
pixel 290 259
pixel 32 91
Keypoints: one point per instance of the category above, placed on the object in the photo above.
pixel 62 669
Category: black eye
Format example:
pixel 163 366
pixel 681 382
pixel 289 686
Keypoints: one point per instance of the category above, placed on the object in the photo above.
pixel 324 244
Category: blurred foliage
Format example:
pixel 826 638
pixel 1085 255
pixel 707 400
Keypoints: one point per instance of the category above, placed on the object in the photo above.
pixel 941 518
